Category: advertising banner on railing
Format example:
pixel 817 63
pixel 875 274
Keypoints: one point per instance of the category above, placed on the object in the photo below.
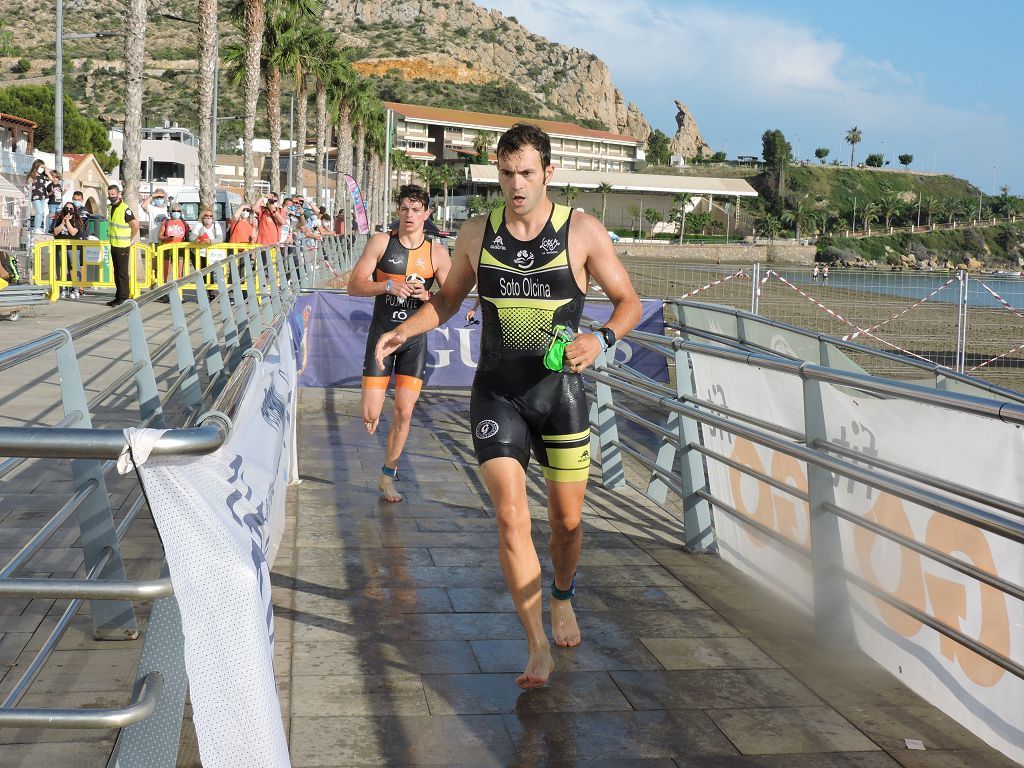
pixel 331 330
pixel 359 208
pixel 981 453
pixel 221 518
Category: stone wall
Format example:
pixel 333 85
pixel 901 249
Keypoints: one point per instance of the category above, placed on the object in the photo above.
pixel 748 253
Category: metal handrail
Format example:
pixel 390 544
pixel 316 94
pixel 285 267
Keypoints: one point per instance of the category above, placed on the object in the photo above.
pixel 143 703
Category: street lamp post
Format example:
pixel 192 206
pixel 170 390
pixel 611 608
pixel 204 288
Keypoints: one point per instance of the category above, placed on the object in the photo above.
pixel 58 84
pixel 291 145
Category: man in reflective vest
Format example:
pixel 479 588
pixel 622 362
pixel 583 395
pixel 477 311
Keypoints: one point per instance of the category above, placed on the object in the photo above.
pixel 123 231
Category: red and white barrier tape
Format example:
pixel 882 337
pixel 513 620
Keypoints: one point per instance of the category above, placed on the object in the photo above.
pixel 997 357
pixel 852 336
pixel 1000 299
pixel 839 317
pixel 739 273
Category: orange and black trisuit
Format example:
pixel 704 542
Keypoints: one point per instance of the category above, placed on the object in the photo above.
pixel 526 289
pixel 398 263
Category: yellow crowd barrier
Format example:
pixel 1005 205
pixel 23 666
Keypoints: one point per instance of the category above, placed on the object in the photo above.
pixel 84 264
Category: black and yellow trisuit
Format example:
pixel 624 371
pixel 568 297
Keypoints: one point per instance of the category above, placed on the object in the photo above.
pixel 526 289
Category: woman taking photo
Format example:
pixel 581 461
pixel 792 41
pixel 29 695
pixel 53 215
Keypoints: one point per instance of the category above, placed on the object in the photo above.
pixel 68 226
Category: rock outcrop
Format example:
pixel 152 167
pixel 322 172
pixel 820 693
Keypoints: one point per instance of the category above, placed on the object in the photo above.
pixel 460 41
pixel 687 142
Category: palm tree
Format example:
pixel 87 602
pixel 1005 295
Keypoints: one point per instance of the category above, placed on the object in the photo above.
pixel 134 60
pixel 870 214
pixel 891 207
pixel 449 177
pixel 571 193
pixel 768 226
pixel 930 204
pixel 604 189
pixel 853 138
pixel 340 106
pixel 255 18
pixel 799 216
pixel 682 200
pixel 207 75
pixel 325 59
pixel 634 215
pixel 482 147
pixel 364 104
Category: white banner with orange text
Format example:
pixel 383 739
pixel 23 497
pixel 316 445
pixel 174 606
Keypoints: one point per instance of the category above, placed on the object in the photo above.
pixel 221 518
pixel 977 452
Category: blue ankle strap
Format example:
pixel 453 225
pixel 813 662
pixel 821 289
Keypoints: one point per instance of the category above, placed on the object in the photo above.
pixel 564 594
pixel 389 471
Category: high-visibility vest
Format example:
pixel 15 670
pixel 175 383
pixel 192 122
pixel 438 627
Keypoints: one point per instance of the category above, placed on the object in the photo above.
pixel 119 230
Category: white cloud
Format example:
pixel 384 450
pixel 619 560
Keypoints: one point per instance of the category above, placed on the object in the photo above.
pixel 741 73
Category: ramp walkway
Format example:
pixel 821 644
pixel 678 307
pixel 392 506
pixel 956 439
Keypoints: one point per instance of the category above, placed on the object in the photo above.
pixel 398 644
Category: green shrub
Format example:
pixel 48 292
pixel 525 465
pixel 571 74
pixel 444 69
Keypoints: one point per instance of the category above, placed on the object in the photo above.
pixel 21 66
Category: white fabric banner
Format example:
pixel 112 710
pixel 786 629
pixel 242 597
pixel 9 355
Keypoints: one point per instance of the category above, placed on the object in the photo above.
pixel 221 518
pixel 977 452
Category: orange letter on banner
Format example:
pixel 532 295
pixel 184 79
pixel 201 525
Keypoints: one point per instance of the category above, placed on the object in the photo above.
pixel 788 470
pixel 949 599
pixel 745 453
pixel 888 511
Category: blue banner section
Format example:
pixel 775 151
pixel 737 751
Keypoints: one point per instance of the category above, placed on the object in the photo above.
pixel 330 332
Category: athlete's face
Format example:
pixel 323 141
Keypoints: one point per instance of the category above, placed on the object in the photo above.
pixel 523 180
pixel 411 216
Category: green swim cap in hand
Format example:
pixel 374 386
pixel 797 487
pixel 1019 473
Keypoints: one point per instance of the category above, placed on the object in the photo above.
pixel 555 356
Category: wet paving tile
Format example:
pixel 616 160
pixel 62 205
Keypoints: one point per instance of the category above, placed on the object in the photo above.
pixel 346 695
pixel 595 653
pixel 708 653
pixel 713 689
pixel 779 729
pixel 812 760
pixel 328 601
pixel 656 624
pixel 484 694
pixel 374 657
pixel 651 598
pixel 475 600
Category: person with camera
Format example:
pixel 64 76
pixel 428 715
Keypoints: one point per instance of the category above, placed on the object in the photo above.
pixel 68 225
pixel 269 219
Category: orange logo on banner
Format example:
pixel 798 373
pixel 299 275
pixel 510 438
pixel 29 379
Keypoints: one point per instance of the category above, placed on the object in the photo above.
pixel 948 599
pixel 774 509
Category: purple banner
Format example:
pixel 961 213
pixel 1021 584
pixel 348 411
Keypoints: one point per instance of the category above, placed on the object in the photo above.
pixel 362 222
pixel 330 332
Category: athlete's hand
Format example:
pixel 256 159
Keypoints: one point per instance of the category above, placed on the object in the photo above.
pixel 387 344
pixel 405 289
pixel 470 315
pixel 582 351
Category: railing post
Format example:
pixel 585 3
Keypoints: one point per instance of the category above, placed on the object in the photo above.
pixel 111 619
pixel 150 406
pixel 832 619
pixel 607 437
pixel 191 392
pixel 698 532
pixel 255 324
pixel 153 742
pixel 214 361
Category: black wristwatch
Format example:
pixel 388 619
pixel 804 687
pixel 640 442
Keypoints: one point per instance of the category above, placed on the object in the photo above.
pixel 609 336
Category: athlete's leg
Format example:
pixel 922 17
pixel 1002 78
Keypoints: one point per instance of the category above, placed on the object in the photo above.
pixel 407 392
pixel 565 506
pixel 505 479
pixel 375 390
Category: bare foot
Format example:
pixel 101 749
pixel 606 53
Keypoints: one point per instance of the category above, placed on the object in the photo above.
pixel 387 489
pixel 564 629
pixel 371 426
pixel 538 668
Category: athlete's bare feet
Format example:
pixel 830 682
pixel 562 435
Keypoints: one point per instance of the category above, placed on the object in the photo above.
pixel 538 668
pixel 564 629
pixel 387 489
pixel 371 426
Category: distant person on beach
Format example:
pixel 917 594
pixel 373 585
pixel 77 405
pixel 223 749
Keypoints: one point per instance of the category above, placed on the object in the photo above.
pixel 814 274
pixel 824 274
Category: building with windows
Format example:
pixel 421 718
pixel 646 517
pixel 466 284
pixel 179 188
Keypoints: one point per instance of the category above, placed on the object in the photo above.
pixel 169 154
pixel 439 136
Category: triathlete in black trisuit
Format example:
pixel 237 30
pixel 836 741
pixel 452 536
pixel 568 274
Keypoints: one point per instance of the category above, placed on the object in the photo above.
pixel 526 290
pixel 398 269
pixel 532 261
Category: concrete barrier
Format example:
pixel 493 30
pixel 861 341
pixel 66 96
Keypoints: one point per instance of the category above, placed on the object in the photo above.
pixel 776 253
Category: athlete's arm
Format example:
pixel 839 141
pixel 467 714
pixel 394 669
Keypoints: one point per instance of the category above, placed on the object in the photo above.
pixel 361 282
pixel 442 262
pixel 604 266
pixel 456 285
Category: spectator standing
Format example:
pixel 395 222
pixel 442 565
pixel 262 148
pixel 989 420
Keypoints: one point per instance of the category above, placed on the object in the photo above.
pixel 35 186
pixel 156 208
pixel 54 190
pixel 269 220
pixel 173 229
pixel 208 230
pixel 68 226
pixel 123 233
pixel 243 225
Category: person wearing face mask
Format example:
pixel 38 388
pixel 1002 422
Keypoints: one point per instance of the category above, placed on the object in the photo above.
pixel 243 225
pixel 68 226
pixel 208 230
pixel 155 207
pixel 123 231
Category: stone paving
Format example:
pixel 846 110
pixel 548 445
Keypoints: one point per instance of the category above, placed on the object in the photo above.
pixel 398 644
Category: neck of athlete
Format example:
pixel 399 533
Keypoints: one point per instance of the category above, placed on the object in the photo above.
pixel 411 239
pixel 526 226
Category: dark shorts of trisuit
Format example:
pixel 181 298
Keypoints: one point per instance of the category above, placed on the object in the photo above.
pixel 550 415
pixel 408 363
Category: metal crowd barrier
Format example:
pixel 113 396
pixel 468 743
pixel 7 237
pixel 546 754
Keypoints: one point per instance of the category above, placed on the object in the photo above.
pixel 206 390
pixel 618 392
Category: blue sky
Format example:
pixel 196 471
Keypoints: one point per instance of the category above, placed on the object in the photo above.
pixel 939 80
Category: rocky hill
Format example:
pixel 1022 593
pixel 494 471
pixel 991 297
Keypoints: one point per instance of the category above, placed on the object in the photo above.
pixel 416 50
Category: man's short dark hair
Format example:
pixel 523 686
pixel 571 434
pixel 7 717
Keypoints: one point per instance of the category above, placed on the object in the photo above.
pixel 77 193
pixel 113 186
pixel 415 193
pixel 522 135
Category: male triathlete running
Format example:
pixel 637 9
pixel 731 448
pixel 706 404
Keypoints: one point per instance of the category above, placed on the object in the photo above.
pixel 398 268
pixel 532 260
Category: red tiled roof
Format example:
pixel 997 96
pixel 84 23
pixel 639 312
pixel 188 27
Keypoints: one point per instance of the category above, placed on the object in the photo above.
pixel 502 122
pixel 16 119
pixel 76 159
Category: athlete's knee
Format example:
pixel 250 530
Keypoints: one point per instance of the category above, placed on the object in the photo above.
pixel 403 412
pixel 566 529
pixel 513 521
